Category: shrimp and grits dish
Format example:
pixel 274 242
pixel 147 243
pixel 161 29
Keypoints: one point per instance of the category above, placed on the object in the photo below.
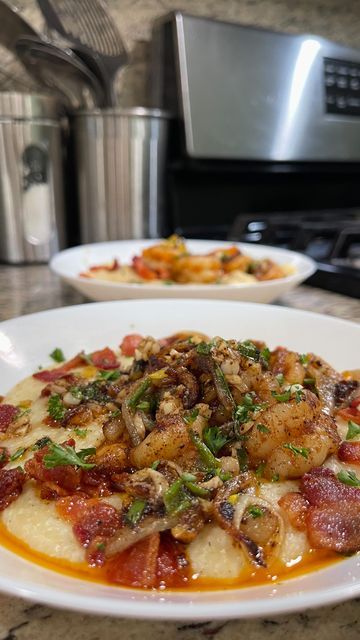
pixel 186 462
pixel 170 262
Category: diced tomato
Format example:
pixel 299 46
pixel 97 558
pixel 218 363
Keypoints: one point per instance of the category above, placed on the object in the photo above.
pixel 105 359
pixel 137 566
pixel 130 343
pixel 7 415
pixel 143 270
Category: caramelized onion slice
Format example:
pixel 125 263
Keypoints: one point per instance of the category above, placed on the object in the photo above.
pixel 126 537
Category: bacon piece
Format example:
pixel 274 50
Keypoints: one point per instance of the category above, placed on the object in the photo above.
pixel 333 519
pixel 66 477
pixel 129 344
pixel 98 520
pixel 296 508
pixel 349 452
pixel 7 414
pixel 104 359
pixel 335 527
pixel 321 488
pixel 137 566
pixel 50 375
pixel 11 485
pixel 93 523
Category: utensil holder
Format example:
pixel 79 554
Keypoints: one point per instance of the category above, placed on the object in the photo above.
pixel 120 157
pixel 32 224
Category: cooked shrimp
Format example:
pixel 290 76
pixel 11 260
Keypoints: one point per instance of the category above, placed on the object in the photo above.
pixel 287 363
pixel 293 459
pixel 169 440
pixel 281 422
pixel 164 254
pixel 199 269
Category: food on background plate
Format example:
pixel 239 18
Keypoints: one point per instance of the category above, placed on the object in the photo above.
pixel 170 262
pixel 182 463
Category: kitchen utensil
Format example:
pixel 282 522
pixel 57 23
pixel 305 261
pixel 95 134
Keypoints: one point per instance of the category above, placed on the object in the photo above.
pixel 31 186
pixel 61 70
pixel 120 155
pixel 88 25
pixel 13 26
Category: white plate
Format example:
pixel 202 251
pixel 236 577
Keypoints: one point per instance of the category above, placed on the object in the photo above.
pixel 70 263
pixel 26 342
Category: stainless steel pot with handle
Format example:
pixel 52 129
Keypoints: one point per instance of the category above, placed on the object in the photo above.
pixel 120 171
pixel 32 225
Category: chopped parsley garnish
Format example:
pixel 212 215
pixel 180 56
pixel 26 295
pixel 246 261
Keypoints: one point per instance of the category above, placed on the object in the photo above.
pixel 20 452
pixel 282 397
pixel 353 430
pixel 191 416
pixel 135 512
pixel 275 477
pixel 61 455
pixel 304 358
pixel 294 390
pixel 111 376
pixel 215 439
pixel 255 512
pixel 349 477
pixel 80 433
pixel 41 443
pixel 204 348
pixel 57 355
pixel 155 465
pixel 280 379
pixel 298 451
pixel 249 350
pixel 262 428
pixel 243 411
pixel 265 354
pixel 56 408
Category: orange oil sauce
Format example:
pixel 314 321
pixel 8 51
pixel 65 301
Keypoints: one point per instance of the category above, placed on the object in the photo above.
pixel 311 561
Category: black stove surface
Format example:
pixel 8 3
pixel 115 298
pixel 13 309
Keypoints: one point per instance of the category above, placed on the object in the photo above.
pixel 331 238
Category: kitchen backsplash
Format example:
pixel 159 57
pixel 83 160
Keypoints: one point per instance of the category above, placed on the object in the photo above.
pixel 330 18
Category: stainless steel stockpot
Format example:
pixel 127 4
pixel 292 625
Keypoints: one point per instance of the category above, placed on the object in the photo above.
pixel 120 171
pixel 32 224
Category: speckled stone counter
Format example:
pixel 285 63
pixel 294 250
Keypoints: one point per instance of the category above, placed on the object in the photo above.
pixel 29 289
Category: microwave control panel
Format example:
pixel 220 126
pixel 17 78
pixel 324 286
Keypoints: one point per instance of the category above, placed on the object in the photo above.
pixel 342 87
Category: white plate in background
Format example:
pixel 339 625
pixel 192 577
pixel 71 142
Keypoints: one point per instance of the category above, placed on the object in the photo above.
pixel 26 342
pixel 70 263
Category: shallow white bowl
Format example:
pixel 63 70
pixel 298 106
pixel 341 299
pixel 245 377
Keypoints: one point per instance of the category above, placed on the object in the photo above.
pixel 26 342
pixel 70 263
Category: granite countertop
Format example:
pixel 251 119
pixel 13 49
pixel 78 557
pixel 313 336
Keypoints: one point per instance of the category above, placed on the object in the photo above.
pixel 29 289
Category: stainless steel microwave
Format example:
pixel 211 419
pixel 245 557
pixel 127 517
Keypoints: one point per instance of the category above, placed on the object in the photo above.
pixel 250 94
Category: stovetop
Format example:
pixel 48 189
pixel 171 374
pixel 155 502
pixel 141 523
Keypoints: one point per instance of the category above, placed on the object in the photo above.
pixel 332 238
